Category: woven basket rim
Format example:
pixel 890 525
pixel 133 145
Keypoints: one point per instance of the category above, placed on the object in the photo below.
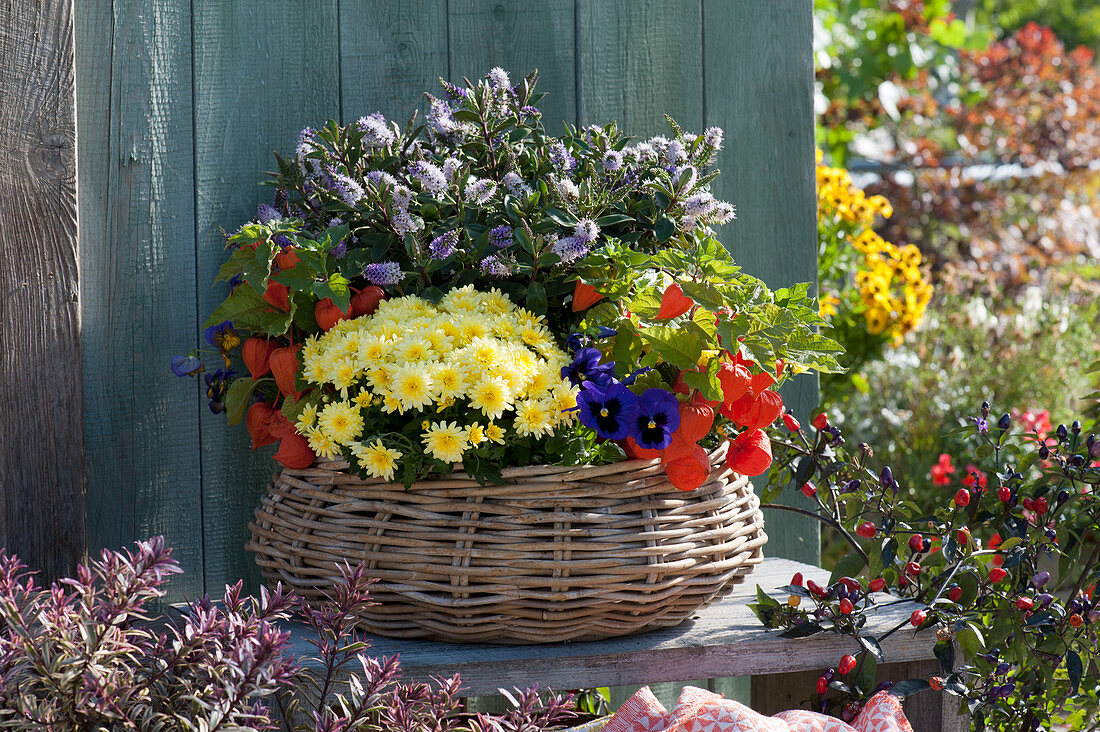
pixel 509 474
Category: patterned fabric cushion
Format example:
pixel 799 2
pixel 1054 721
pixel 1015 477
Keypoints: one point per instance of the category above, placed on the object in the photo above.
pixel 698 710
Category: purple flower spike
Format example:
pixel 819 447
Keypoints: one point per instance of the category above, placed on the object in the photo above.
pixel 444 245
pixel 657 418
pixel 383 274
pixel 610 410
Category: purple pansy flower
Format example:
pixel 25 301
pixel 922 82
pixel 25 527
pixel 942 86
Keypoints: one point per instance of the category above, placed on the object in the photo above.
pixel 610 410
pixel 217 384
pixel 586 367
pixel 186 365
pixel 223 336
pixel 658 416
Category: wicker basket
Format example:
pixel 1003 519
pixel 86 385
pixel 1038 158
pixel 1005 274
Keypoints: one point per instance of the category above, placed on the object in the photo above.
pixel 555 554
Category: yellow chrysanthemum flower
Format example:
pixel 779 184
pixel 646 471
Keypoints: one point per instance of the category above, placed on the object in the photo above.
pixel 533 418
pixel 491 395
pixel 308 416
pixel 378 460
pixel 449 381
pixel 446 441
pixel 475 433
pixel 322 444
pixel 341 421
pixel 494 433
pixel 412 385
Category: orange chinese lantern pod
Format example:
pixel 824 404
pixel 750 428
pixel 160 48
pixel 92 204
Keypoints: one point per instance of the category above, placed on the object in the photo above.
pixel 584 297
pixel 636 451
pixel 691 471
pixel 696 419
pixel 294 452
pixel 741 411
pixel 277 295
pixel 365 301
pixel 762 381
pixel 287 259
pixel 256 420
pixel 768 405
pixel 735 380
pixel 750 453
pixel 328 314
pixel 256 353
pixel 674 303
pixel 278 425
pixel 678 448
pixel 284 366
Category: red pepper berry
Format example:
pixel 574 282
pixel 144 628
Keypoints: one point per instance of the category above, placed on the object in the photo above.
pixel 918 617
pixel 1076 620
pixel 962 498
pixel 936 682
pixel 866 530
pixel 1028 504
pixel 1024 603
pixel 808 489
pixel 846 606
pixel 791 423
pixel 1041 505
pixel 878 584
pixel 997 574
pixel 821 421
pixel 903 582
pixel 815 588
pixel 916 543
pixel 963 536
pixel 851 584
pixel 847 665
pixel 1004 494
pixel 822 685
pixel 955 593
pixel 913 569
pixel 797 579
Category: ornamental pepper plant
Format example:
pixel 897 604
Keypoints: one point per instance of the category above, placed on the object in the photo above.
pixel 467 290
pixel 1001 573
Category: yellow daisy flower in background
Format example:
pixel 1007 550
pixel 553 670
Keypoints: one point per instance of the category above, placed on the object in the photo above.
pixel 307 417
pixel 449 381
pixel 446 441
pixel 378 460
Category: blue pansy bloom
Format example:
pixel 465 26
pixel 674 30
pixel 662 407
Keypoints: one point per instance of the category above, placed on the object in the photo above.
pixel 223 336
pixel 217 384
pixel 586 367
pixel 657 417
pixel 610 409
pixel 604 332
pixel 186 365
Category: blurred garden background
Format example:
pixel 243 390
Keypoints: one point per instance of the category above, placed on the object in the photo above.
pixel 959 221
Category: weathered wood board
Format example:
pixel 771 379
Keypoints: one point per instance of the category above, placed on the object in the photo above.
pixel 41 436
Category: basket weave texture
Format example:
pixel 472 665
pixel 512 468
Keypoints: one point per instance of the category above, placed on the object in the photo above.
pixel 555 554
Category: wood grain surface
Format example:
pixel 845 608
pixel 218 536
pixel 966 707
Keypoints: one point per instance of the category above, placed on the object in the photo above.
pixel 42 498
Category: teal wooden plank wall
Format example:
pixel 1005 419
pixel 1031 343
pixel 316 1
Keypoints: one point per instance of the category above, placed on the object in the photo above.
pixel 180 104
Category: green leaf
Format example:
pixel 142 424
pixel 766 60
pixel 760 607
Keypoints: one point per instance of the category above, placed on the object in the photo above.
pixel 237 397
pixel 536 298
pixel 250 312
pixel 872 646
pixel 849 565
pixel 681 348
pixel 665 228
pixel 1075 669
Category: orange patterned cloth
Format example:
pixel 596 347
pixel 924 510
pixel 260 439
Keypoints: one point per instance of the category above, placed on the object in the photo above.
pixel 698 710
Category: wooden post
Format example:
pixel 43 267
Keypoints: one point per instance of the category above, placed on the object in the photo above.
pixel 41 438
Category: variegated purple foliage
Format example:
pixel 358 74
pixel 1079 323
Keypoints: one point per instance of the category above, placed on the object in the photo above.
pixel 95 653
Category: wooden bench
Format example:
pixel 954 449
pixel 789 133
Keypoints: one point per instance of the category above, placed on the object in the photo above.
pixel 724 640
